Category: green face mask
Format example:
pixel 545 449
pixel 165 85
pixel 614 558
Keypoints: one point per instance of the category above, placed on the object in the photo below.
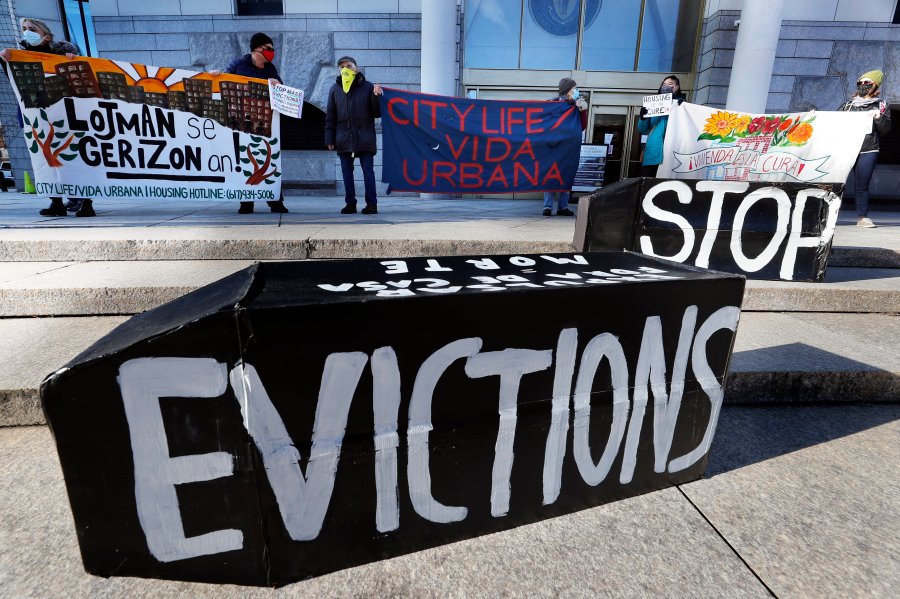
pixel 347 76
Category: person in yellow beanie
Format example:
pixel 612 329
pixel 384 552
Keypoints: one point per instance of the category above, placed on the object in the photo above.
pixel 867 99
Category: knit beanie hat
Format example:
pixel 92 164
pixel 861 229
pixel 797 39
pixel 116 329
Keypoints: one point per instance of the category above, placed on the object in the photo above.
pixel 260 39
pixel 346 59
pixel 565 84
pixel 876 76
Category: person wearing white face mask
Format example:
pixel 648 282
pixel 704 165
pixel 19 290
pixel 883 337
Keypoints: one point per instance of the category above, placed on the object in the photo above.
pixel 568 92
pixel 37 37
pixel 655 128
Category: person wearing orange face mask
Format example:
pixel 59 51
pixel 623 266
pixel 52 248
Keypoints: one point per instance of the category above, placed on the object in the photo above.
pixel 257 64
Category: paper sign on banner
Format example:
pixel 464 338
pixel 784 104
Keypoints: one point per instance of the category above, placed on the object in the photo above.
pixel 286 100
pixel 659 105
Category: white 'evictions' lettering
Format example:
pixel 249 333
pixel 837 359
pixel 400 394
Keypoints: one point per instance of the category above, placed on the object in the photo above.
pixel 142 382
pixel 555 450
pixel 718 189
pixel 510 365
pixel 653 211
pixel 795 241
pixel 302 499
pixel 723 318
pixel 386 405
pixel 418 470
pixel 521 261
pixel 608 346
pixel 784 212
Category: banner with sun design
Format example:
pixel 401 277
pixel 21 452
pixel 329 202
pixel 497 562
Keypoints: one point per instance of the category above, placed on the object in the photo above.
pixel 708 143
pixel 99 128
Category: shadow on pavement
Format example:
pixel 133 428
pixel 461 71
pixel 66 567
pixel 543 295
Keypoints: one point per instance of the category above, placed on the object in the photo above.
pixel 750 434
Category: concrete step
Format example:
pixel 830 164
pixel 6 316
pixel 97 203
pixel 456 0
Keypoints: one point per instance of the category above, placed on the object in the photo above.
pixel 129 287
pixel 777 357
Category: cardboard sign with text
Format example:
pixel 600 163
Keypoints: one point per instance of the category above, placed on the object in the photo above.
pixel 293 419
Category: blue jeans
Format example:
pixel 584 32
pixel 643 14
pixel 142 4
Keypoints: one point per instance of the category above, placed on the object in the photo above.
pixel 862 172
pixel 367 162
pixel 563 199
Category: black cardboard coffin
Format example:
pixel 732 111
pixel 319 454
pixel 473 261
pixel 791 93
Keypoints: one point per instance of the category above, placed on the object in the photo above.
pixel 298 418
pixel 778 231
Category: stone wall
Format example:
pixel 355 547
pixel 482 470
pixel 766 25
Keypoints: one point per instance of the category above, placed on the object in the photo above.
pixel 386 47
pixel 816 63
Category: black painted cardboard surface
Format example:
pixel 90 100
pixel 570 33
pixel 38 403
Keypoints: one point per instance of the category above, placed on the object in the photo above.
pixel 615 218
pixel 287 320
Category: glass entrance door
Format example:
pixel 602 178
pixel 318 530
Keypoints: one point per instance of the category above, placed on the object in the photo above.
pixel 616 127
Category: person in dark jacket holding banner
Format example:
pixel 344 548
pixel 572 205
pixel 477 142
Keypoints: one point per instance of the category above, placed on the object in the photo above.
pixel 350 130
pixel 655 128
pixel 866 99
pixel 257 64
pixel 568 92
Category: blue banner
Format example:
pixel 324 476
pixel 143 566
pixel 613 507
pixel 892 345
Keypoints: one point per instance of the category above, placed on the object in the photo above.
pixel 441 144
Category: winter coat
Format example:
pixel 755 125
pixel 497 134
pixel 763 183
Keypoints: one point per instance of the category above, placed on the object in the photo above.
pixel 350 117
pixel 61 47
pixel 880 124
pixel 244 66
pixel 656 126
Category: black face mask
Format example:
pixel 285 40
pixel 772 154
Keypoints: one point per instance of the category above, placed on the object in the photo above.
pixel 864 89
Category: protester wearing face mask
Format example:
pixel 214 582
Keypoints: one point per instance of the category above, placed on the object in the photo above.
pixel 568 92
pixel 655 128
pixel 866 99
pixel 350 130
pixel 257 64
pixel 37 37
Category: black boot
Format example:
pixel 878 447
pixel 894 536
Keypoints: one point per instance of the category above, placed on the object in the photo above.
pixel 87 208
pixel 56 208
pixel 246 208
pixel 370 209
pixel 349 209
pixel 278 206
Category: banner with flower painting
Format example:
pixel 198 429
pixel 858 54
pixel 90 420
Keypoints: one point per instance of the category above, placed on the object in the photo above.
pixel 102 129
pixel 715 144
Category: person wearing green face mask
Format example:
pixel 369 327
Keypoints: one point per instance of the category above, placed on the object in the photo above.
pixel 350 130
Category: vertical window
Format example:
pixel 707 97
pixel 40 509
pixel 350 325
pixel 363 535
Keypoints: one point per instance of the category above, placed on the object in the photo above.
pixel 259 7
pixel 668 35
pixel 492 34
pixel 550 33
pixel 80 26
pixel 610 35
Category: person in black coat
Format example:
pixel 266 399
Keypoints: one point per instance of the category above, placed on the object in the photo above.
pixel 350 130
pixel 257 64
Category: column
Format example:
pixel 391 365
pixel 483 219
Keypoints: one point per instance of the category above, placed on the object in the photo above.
pixel 439 47
pixel 754 55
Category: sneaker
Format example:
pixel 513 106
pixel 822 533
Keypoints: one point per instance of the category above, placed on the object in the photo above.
pixel 370 209
pixel 548 212
pixel 73 205
pixel 565 212
pixel 86 209
pixel 865 222
pixel 246 208
pixel 349 209
pixel 278 206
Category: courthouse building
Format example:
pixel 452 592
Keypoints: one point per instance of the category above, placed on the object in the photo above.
pixel 795 56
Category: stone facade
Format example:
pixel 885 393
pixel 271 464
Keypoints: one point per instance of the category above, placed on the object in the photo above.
pixel 816 63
